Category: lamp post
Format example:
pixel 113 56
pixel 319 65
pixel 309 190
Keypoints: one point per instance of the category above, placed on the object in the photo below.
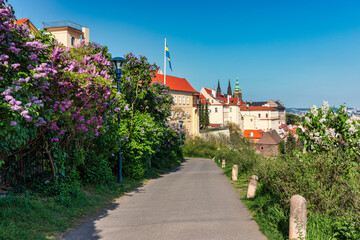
pixel 118 63
pixel 181 123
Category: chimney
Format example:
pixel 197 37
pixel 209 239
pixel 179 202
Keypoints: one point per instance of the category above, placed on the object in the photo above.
pixel 228 99
pixel 86 33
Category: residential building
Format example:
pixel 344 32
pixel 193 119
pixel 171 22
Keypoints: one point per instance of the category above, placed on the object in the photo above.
pixel 67 32
pixel 253 135
pixel 29 24
pixel 268 145
pixel 185 102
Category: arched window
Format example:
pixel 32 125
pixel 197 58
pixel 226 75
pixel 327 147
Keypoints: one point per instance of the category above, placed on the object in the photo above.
pixel 72 41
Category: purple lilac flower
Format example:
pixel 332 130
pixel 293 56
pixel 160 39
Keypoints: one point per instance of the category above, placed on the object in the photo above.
pixel 127 107
pixel 13 123
pixel 6 92
pixel 41 121
pixel 15 108
pixel 54 139
pixel 15 65
pixel 62 132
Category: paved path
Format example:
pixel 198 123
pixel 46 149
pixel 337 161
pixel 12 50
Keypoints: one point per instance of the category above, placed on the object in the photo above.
pixel 194 202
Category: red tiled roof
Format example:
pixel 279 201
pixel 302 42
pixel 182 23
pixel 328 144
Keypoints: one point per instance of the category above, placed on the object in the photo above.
pixel 208 90
pixel 256 133
pixel 257 108
pixel 202 97
pixel 282 126
pixel 233 101
pixel 175 83
pixel 21 21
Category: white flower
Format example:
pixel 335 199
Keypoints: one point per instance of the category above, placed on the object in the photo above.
pixel 325 107
pixel 352 130
pixel 348 122
pixel 314 111
pixel 307 119
pixel 323 119
pixel 330 133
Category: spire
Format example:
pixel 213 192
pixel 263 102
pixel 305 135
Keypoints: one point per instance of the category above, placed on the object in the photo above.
pixel 237 86
pixel 218 91
pixel 229 92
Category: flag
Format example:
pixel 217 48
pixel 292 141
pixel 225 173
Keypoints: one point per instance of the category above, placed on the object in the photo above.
pixel 168 56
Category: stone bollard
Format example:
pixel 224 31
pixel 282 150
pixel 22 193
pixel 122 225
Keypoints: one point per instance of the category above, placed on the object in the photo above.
pixel 223 164
pixel 234 172
pixel 297 226
pixel 252 186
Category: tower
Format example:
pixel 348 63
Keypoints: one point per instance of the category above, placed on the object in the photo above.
pixel 218 91
pixel 229 92
pixel 237 90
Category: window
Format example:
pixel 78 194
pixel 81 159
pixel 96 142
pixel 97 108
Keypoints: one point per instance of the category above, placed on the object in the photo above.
pixel 187 100
pixel 175 100
pixel 230 109
pixel 216 110
pixel 212 101
pixel 267 115
pixel 184 115
pixel 259 115
pixel 250 120
pixel 209 110
pixel 172 114
pixel 175 115
pixel 72 41
pixel 187 129
pixel 184 100
pixel 179 100
pixel 179 114
pixel 187 114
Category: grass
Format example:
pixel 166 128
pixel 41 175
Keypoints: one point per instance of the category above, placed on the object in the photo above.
pixel 263 209
pixel 28 216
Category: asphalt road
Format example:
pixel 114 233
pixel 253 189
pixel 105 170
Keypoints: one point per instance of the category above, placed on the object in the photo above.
pixel 196 201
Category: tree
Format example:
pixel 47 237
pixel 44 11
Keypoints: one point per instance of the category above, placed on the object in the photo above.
pixel 292 118
pixel 203 115
pixel 206 113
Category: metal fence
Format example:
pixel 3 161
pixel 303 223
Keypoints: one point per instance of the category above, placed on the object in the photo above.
pixel 65 23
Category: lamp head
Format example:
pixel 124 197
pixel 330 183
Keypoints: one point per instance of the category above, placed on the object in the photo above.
pixel 118 62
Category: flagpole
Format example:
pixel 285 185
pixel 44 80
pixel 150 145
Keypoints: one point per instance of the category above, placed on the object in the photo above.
pixel 165 62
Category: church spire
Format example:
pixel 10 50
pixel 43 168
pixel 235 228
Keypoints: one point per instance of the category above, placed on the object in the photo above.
pixel 218 91
pixel 237 86
pixel 237 90
pixel 229 92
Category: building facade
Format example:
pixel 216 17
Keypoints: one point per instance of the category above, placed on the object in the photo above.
pixel 224 108
pixel 67 32
pixel 185 98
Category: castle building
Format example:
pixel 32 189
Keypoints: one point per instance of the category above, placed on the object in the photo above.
pixel 264 116
pixel 67 32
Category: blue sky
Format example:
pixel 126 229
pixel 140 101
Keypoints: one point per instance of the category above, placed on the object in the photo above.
pixel 300 52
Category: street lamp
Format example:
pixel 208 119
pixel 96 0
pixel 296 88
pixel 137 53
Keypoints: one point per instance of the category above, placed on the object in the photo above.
pixel 181 123
pixel 118 63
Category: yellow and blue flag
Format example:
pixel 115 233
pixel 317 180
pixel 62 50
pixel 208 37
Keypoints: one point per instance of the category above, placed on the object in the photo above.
pixel 168 56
